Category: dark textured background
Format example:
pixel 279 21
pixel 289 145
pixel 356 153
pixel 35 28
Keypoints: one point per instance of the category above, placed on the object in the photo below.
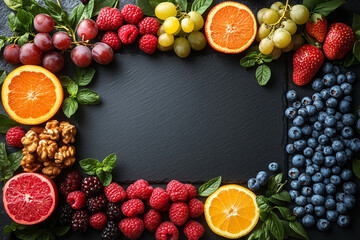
pixel 187 119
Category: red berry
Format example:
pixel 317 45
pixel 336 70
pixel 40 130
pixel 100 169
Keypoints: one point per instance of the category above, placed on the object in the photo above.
pixel 128 34
pixel 177 191
pixel 98 220
pixel 132 227
pixel 191 190
pixel 131 192
pixel 80 221
pixel 159 199
pixel 76 199
pixel 43 41
pixel 97 203
pixel 109 19
pixel 148 43
pixel 142 189
pixel 87 29
pixel 133 207
pixel 43 23
pixel 148 25
pixel 179 213
pixel 112 39
pixel 12 53
pixel 317 29
pixel 132 14
pixel 167 230
pixel 196 208
pixel 30 54
pixel 81 56
pixel 193 230
pixel 61 40
pixel 102 53
pixel 114 192
pixel 71 183
pixel 53 61
pixel 152 220
pixel 91 186
pixel 14 136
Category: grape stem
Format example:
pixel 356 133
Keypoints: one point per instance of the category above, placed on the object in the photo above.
pixel 286 8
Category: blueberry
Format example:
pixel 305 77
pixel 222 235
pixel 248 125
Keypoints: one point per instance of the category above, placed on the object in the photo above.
pixel 262 177
pixel 330 203
pixel 308 152
pixel 320 148
pixel 335 179
pixel 329 197
pixel 340 79
pixel 327 68
pixel 346 88
pixel 295 133
pixel 326 180
pixel 317 200
pixel 300 145
pixel 308 221
pixel 349 153
pixel 343 221
pixel 322 116
pixel 344 106
pixel 329 79
pixel 311 110
pixel 338 146
pixel 325 171
pixel 317 167
pixel 338 116
pixel 291 95
pixel 346 174
pixel 300 200
pixel 331 102
pixel 295 185
pixel 358 124
pixel 293 173
pixel 293 194
pixel 306 101
pixel 319 188
pixel 304 179
pixel 348 132
pixel 336 170
pixel 290 113
pixel 290 148
pixel 325 93
pixel 330 161
pixel 336 91
pixel 318 126
pixel 319 105
pixel 312 142
pixel 316 97
pixel 253 184
pixel 339 126
pixel 306 191
pixel 330 111
pixel 323 225
pixel 309 208
pixel 330 121
pixel 323 139
pixel 340 208
pixel 273 167
pixel 318 158
pixel 319 211
pixel 355 144
pixel 330 132
pixel 341 158
pixel 315 134
pixel 348 119
pixel 336 70
pixel 340 197
pixel 328 150
pixel 350 77
pixel 349 201
pixel 297 105
pixel 308 162
pixel 349 188
pixel 331 215
pixel 348 98
pixel 312 119
pixel 317 177
pixel 302 112
pixel 299 212
pixel 306 130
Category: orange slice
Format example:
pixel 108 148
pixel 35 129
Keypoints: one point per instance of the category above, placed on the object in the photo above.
pixel 230 27
pixel 231 211
pixel 31 94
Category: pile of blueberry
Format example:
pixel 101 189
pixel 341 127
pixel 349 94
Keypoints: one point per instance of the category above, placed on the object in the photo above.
pixel 323 144
pixel 262 177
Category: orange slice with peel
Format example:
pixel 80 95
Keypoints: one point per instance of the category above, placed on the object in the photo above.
pixel 230 27
pixel 31 94
pixel 232 211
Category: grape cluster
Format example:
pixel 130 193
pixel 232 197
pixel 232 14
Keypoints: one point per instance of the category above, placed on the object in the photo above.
pixel 323 145
pixel 278 26
pixel 180 30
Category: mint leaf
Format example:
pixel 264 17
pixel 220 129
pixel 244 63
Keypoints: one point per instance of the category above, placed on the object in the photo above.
pixel 327 7
pixel 99 4
pixel 263 74
pixel 13 164
pixel 274 225
pixel 356 167
pixel 109 162
pixel 182 4
pixel 298 228
pixel 3 76
pixel 104 177
pixel 211 186
pixel 66 81
pixel 72 89
pixel 263 204
pixel 29 233
pixel 249 60
pixel 6 123
pixel 356 23
pixel 69 107
pixel 89 165
pixel 88 97
pixel 201 6
pixel 12 22
pixel 61 231
pixel 278 178
pixel 14 4
pixel 83 76
pixel 286 213
pixel 146 7
pixel 282 196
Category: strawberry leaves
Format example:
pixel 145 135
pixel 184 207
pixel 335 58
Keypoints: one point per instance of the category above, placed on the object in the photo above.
pixel 321 8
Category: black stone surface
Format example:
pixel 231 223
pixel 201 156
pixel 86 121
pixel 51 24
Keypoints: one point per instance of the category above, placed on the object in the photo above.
pixel 187 119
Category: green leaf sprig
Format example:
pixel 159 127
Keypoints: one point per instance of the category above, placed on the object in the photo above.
pixel 8 164
pixel 272 207
pixel 82 77
pixel 209 187
pixel 6 123
pixel 321 8
pixel 103 170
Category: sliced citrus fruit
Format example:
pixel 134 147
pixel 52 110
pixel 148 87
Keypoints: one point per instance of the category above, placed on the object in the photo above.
pixel 230 27
pixel 31 94
pixel 29 198
pixel 231 211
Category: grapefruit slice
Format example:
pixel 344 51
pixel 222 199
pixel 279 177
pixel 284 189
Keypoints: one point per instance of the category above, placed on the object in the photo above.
pixel 230 27
pixel 29 198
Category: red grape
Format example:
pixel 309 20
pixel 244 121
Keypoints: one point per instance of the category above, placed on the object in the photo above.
pixel 102 53
pixel 11 54
pixel 43 23
pixel 61 40
pixel 81 56
pixel 30 54
pixel 43 41
pixel 87 29
pixel 53 61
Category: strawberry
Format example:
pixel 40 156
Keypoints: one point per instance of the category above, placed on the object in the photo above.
pixel 339 41
pixel 317 29
pixel 307 61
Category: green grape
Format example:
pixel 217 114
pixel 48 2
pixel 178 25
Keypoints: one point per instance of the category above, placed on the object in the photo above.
pixel 299 14
pixel 171 25
pixel 298 41
pixel 264 31
pixel 178 31
pixel 161 30
pixel 289 47
pixel 187 25
pixel 270 16
pixel 290 26
pixel 197 19
pixel 166 39
pixel 197 40
pixel 260 14
pixel 165 49
pixel 182 47
pixel 281 38
pixel 165 10
pixel 276 53
pixel 257 38
pixel 266 46
pixel 287 13
pixel 277 6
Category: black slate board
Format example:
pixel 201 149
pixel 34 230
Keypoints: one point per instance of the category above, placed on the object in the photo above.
pixel 187 119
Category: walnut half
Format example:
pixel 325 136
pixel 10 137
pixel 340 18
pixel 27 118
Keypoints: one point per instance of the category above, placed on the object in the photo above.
pixel 46 149
pixel 29 162
pixel 51 169
pixel 30 141
pixel 68 132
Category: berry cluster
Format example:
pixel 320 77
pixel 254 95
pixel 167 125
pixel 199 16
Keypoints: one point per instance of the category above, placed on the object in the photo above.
pixel 323 143
pixel 113 211
pixel 262 177
pixel 14 136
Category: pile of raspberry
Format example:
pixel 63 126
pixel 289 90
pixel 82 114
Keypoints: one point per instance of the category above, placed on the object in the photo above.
pixel 124 27
pixel 114 211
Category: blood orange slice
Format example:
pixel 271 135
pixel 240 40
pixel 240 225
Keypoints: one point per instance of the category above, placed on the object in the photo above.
pixel 29 198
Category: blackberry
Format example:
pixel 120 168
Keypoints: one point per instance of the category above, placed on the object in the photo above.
pixel 95 204
pixel 113 211
pixel 71 183
pixel 65 215
pixel 91 186
pixel 80 221
pixel 110 231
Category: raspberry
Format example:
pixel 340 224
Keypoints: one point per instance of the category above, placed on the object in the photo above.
pixel 65 215
pixel 91 186
pixel 113 211
pixel 14 136
pixel 148 25
pixel 132 208
pixel 111 231
pixel 128 34
pixel 71 183
pixel 115 193
pixel 112 39
pixel 152 220
pixel 167 230
pixel 98 220
pixel 76 199
pixel 109 19
pixel 193 230
pixel 132 14
pixel 177 191
pixel 148 43
pixel 131 227
pixel 159 199
pixel 131 192
pixel 179 213
pixel 80 221
pixel 140 189
pixel 196 208
pixel 95 204
pixel 191 190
